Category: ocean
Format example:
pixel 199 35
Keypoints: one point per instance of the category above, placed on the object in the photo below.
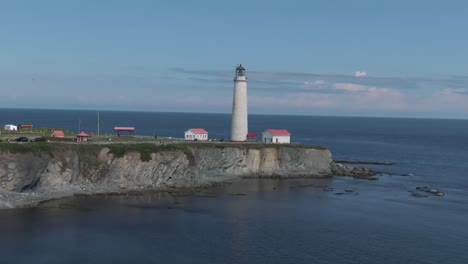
pixel 263 220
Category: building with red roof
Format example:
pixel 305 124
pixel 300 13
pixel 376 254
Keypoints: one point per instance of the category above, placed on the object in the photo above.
pixel 82 137
pixel 252 137
pixel 196 134
pixel 119 129
pixel 279 136
pixel 58 134
pixel 25 126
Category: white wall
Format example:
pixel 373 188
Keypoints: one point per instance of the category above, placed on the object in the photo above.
pixel 189 135
pixel 11 128
pixel 282 139
pixel 239 125
pixel 269 138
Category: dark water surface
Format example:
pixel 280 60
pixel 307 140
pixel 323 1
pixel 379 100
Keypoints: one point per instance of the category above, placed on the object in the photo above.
pixel 263 221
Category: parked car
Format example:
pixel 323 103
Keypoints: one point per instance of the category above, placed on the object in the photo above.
pixel 22 139
pixel 39 139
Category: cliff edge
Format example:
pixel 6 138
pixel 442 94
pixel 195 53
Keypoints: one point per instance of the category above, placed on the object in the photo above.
pixel 29 174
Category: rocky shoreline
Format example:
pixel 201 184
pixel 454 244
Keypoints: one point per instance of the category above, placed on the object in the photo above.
pixel 28 178
pixel 352 171
pixel 13 200
pixel 363 162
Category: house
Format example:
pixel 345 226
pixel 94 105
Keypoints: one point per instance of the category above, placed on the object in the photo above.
pixel 251 137
pixel 277 136
pixel 83 137
pixel 11 128
pixel 25 126
pixel 58 134
pixel 196 134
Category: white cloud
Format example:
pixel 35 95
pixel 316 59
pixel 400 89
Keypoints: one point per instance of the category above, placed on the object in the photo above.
pixel 360 74
pixel 315 84
pixel 357 98
pixel 373 99
pixel 454 91
pixel 350 87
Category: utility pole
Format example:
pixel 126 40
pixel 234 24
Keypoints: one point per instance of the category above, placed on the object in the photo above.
pixel 98 124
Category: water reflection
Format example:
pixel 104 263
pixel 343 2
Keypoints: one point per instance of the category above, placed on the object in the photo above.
pixel 244 221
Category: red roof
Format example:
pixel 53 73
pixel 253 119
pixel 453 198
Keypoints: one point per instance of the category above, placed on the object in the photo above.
pixel 82 134
pixel 58 133
pixel 198 131
pixel 26 126
pixel 251 134
pixel 124 128
pixel 277 132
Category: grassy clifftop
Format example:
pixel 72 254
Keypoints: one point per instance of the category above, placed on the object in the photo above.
pixel 119 149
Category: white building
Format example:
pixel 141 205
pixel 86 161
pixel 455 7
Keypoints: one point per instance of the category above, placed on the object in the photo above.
pixel 277 136
pixel 11 128
pixel 196 134
pixel 239 125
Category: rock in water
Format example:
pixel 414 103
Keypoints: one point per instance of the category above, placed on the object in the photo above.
pixel 356 172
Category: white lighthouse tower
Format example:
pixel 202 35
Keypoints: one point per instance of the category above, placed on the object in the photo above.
pixel 239 125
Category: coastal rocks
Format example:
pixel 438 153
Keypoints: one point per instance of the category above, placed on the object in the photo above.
pixel 363 162
pixel 421 190
pixel 284 162
pixel 67 171
pixel 294 162
pixel 20 172
pixel 347 192
pixel 356 172
pixel 58 175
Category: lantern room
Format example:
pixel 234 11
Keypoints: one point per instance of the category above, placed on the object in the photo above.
pixel 240 70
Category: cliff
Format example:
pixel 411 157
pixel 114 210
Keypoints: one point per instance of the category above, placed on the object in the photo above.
pixel 29 174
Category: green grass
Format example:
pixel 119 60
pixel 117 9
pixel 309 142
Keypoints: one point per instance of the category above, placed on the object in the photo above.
pixel 34 132
pixel 88 153
pixel 146 149
pixel 35 148
pixel 134 139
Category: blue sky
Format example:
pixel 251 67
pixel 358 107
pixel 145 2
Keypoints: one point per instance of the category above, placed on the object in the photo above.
pixel 358 58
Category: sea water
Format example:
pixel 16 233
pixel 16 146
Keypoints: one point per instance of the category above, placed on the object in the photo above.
pixel 336 220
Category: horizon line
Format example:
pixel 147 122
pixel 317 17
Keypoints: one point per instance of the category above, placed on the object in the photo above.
pixel 228 113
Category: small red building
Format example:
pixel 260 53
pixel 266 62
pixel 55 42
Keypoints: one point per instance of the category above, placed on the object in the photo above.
pixel 58 134
pixel 281 136
pixel 251 137
pixel 118 130
pixel 82 137
pixel 196 134
pixel 25 126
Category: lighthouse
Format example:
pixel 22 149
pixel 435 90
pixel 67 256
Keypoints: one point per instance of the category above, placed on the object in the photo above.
pixel 239 125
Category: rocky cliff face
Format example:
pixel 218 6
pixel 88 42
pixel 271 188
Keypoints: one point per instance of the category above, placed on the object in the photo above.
pixel 68 171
